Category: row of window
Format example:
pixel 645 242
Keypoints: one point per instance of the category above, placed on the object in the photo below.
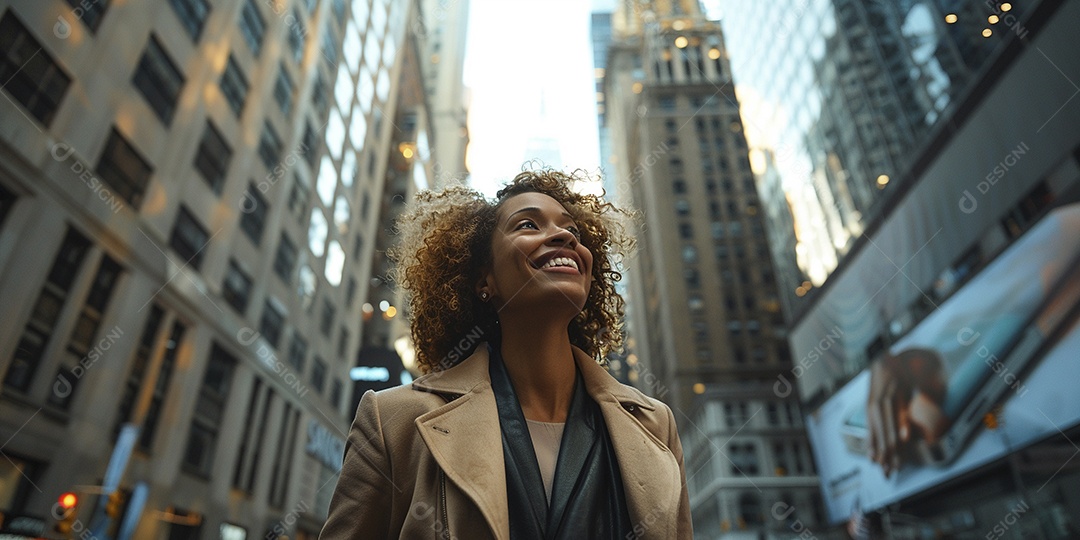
pixel 161 338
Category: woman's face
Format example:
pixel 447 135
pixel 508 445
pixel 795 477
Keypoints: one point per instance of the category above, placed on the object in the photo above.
pixel 538 261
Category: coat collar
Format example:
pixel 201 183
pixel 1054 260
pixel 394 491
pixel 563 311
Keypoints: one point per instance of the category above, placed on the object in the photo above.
pixel 472 372
pixel 464 437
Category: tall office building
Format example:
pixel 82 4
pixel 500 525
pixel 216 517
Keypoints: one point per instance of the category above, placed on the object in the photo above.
pixel 441 28
pixel 929 154
pixel 188 194
pixel 706 319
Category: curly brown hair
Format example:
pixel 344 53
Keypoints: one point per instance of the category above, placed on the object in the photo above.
pixel 445 247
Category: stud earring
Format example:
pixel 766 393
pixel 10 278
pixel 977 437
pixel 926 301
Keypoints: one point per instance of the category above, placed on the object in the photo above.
pixel 484 296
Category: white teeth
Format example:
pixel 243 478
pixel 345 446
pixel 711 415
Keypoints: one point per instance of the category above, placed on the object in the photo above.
pixel 561 261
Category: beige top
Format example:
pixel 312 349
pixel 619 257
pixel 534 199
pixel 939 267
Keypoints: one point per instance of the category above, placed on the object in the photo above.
pixel 546 438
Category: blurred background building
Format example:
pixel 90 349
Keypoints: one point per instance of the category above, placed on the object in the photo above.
pixel 193 203
pixel 913 157
pixel 707 325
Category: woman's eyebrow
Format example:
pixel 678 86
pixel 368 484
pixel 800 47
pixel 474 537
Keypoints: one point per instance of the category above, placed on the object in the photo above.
pixel 535 209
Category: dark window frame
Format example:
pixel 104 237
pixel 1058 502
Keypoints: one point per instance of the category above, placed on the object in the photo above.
pixel 182 240
pixel 159 80
pixel 212 158
pixel 29 73
pixel 124 169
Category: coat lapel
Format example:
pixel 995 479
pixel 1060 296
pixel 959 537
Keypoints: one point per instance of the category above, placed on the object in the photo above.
pixel 464 437
pixel 650 473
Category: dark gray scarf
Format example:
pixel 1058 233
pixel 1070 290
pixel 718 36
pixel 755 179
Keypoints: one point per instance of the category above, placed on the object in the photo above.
pixel 587 499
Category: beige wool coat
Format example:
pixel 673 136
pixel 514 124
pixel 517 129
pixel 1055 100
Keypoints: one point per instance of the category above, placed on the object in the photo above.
pixel 426 459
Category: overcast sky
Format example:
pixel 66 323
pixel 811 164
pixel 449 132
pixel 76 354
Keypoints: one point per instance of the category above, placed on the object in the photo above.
pixel 520 53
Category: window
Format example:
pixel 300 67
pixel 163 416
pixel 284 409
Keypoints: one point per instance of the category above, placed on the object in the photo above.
pixel 750 509
pixel 269 146
pixel 682 206
pixel 189 238
pixel 350 292
pixel 296 34
pixel 161 385
pixel 86 328
pixel 309 146
pixel 297 352
pixel 327 319
pixel 7 202
pixel 192 15
pixel 90 13
pixel 28 72
pixel 252 26
pixel 329 48
pixel 319 96
pixel 272 321
pixel 123 169
pixel 234 86
pixel 254 210
pixel 212 158
pixel 679 186
pixel 299 200
pixel 686 232
pixel 237 287
pixel 744 459
pixel 213 396
pixel 335 394
pixel 134 381
pixel 667 102
pixel 159 80
pixel 689 254
pixel 243 463
pixel 342 342
pixel 286 445
pixel 693 279
pixel 283 90
pixel 285 260
pixel 46 311
pixel 318 374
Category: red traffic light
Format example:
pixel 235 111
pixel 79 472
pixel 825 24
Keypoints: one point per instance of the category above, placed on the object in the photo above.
pixel 68 500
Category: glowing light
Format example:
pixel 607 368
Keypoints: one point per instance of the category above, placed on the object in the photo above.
pixel 637 88
pixel 714 53
pixel 882 180
pixel 1006 6
pixel 68 500
pixel 681 42
pixel 987 32
pixel 993 19
pixel 950 18
pixel 699 388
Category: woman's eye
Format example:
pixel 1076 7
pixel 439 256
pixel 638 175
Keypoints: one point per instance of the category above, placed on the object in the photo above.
pixel 574 231
pixel 529 223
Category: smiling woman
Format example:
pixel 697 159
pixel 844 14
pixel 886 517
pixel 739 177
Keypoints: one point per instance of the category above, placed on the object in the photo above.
pixel 513 308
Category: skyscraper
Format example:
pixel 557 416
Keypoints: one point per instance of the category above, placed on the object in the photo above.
pixel 705 314
pixel 929 155
pixel 190 191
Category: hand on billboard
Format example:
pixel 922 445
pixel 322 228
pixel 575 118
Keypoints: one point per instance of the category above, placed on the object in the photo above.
pixel 904 405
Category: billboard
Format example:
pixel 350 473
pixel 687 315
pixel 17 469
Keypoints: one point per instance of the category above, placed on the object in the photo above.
pixel 986 373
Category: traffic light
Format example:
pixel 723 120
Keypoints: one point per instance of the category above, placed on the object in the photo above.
pixel 112 507
pixel 65 511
